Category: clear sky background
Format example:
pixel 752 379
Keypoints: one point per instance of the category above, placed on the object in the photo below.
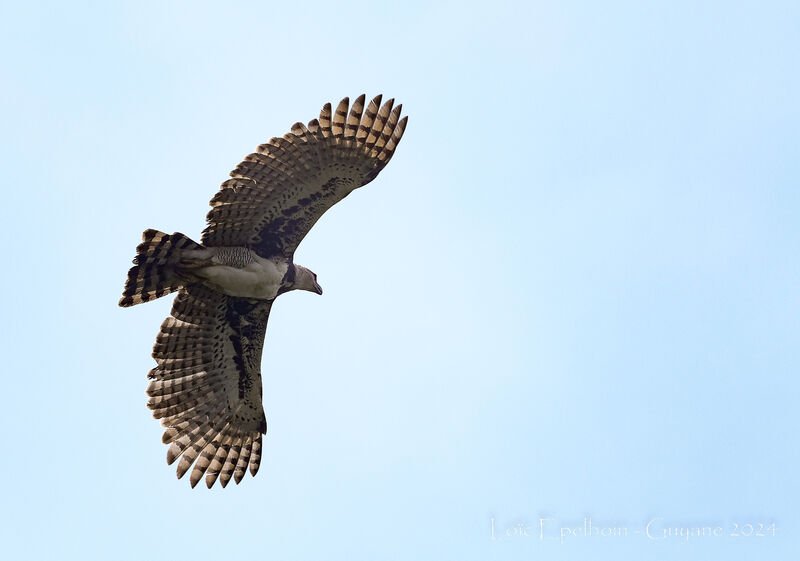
pixel 574 293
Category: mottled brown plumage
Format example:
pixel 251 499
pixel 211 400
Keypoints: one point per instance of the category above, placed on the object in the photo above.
pixel 206 388
pixel 279 192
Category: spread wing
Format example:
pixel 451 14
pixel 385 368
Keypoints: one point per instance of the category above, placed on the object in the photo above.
pixel 206 388
pixel 278 193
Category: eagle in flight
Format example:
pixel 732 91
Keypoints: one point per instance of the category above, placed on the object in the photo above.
pixel 206 388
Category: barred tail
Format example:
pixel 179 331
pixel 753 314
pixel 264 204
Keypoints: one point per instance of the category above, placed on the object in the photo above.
pixel 154 272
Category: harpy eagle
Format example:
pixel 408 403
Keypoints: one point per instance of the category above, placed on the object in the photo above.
pixel 206 389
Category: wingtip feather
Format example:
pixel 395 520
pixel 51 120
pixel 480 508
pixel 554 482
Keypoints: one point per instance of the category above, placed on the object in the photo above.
pixel 340 117
pixel 173 452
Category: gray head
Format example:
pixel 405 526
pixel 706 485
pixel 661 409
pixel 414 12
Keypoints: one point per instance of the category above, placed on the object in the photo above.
pixel 305 279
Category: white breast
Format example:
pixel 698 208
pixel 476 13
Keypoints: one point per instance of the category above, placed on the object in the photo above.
pixel 260 279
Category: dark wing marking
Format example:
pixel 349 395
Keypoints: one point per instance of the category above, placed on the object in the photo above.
pixel 278 193
pixel 206 388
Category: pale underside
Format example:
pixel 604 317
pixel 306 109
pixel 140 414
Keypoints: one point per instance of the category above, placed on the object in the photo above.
pixel 260 279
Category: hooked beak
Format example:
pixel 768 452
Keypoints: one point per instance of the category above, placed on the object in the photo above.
pixel 317 288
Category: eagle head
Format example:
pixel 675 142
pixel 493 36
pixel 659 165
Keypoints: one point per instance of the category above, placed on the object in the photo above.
pixel 306 279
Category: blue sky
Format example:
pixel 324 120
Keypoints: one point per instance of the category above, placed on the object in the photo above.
pixel 572 295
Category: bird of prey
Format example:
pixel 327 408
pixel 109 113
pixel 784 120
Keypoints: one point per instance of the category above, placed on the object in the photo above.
pixel 206 388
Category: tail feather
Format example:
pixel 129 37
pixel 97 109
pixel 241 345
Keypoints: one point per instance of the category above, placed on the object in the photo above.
pixel 154 272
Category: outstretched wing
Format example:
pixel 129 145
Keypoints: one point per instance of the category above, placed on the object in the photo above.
pixel 206 388
pixel 278 193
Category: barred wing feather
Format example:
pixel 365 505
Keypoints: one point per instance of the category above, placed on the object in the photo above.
pixel 278 193
pixel 206 388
